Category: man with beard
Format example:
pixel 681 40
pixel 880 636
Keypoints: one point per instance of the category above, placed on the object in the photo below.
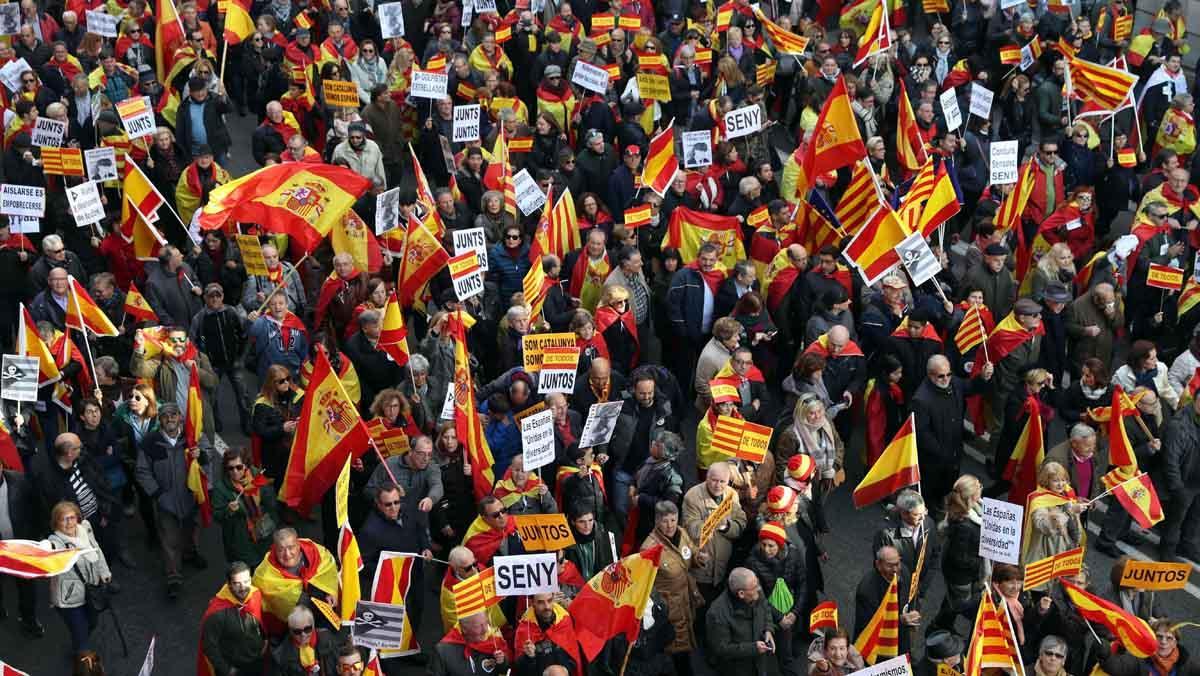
pixel 232 638
pixel 546 636
pixel 197 181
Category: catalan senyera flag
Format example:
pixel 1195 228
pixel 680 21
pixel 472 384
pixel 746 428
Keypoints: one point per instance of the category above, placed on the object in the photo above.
pixel 1104 86
pixel 661 164
pixel 168 36
pixel 564 226
pixel 29 559
pixel 764 74
pixel 393 335
pixel 992 644
pixel 82 312
pixel 919 191
pixel 1189 297
pixel 813 227
pixel 533 287
pixel 1133 632
pixel 881 636
pixel 942 204
pixel 636 217
pixel 1027 456
pixel 824 616
pixel 689 229
pixel 466 415
pixel 782 40
pixel 1138 496
pixel 836 142
pixel 301 199
pixel 329 431
pixel 910 147
pixel 140 191
pixel 422 257
pixel 612 602
pixel 145 239
pixel 1062 564
pixel 970 332
pixel 393 579
pixel 1164 277
pixel 1008 216
pixel 741 439
pixel 30 343
pixel 873 249
pixel 876 38
pixel 476 593
pixel 137 307
pixel 62 161
pixel 238 24
pixel 859 199
pixel 351 563
pixel 896 467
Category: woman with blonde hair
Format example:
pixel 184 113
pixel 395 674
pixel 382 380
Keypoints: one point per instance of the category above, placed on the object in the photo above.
pixel 133 420
pixel 1055 266
pixel 813 434
pixel 730 79
pixel 1053 521
pixel 68 591
pixel 962 567
pixel 273 421
pixel 616 323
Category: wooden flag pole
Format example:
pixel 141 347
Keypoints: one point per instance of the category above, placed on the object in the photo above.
pixel 281 283
pixel 224 58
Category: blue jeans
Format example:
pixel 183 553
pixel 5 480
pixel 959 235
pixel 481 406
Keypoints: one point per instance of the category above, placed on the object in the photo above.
pixel 620 498
pixel 79 625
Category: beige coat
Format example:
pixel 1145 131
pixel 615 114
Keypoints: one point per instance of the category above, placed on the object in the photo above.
pixel 1054 531
pixel 677 587
pixel 697 505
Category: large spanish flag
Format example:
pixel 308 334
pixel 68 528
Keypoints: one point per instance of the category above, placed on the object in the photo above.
pixel 83 313
pixel 30 343
pixel 1133 632
pixel 300 199
pixel 661 163
pixel 896 468
pixel 393 577
pixel 168 36
pixel 881 636
pixel 466 415
pixel 421 258
pixel 329 431
pixel 352 236
pixel 1027 456
pixel 613 601
pixel 836 142
pixel 281 588
pixel 1138 497
pixel 238 24
pixel 873 249
pixel 145 239
pixel 689 230
pixel 28 559
pixel 351 561
pixel 942 204
pixel 193 427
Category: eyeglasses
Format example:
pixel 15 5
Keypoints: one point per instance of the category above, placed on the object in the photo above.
pixel 493 515
pixel 368 51
pixel 1050 152
pixel 258 40
pixel 234 468
pixel 571 161
pixel 178 340
pixel 943 42
pixel 300 631
pixel 516 237
pixel 393 503
pixel 55 251
pixel 349 668
pixel 1051 653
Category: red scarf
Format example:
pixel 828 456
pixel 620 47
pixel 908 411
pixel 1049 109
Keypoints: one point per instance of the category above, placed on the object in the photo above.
pixel 289 323
pixel 606 316
pixel 579 272
pixel 597 343
pixel 17 241
pixel 275 275
pixel 712 278
pixel 488 646
pixel 561 633
pixel 252 606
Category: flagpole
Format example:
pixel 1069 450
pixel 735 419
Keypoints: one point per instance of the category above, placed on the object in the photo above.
pixel 625 662
pixel 1012 632
pixel 280 284
pixel 1094 635
pixel 224 58
pixel 83 329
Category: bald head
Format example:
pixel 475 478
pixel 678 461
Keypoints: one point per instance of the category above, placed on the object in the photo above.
pixel 798 255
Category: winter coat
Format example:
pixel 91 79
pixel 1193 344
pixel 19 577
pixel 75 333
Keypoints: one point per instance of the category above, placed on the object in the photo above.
pixel 266 424
pixel 697 505
pixel 961 563
pixel 285 658
pixel 162 473
pixel 69 590
pixel 53 484
pixel 506 270
pixel 677 586
pixel 1082 313
pixel 939 418
pixel 733 629
pixel 1181 457
pixel 266 338
pixel 221 334
pixel 236 531
pixel 788 567
pixel 160 372
pixel 170 295
pixel 624 448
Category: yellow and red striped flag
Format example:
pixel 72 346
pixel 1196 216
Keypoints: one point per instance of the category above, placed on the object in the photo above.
pixel 1065 48
pixel 910 147
pixel 393 579
pixel 605 21
pixel 168 36
pixel 881 636
pixel 689 230
pixel 520 144
pixel 1189 297
pixel 1164 277
pixel 29 559
pixel 1063 564
pixel 739 438
pixel 1010 55
pixel 877 37
pixel 1106 87
pixel 30 344
pixel 861 197
pixel 764 74
pixel 971 331
pixel 992 643
pixel 824 616
pixel 1008 216
pixel 136 305
pixel 534 288
pixel 636 217
pixel 82 312
pixel 661 164
pixel 942 204
pixel 1122 27
pixel 393 335
pixel 351 559
pixel 564 226
pixel 466 415
pixel 238 24
pixel 918 192
pixel 1127 157
pixel 193 427
pixel 476 593
pixel 873 249
pixel 62 161
pixel 782 40
pixel 896 467
pixel 1133 632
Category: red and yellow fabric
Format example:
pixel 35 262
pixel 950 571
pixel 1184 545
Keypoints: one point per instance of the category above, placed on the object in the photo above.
pixel 992 644
pixel 910 146
pixel 836 142
pixel 393 581
pixel 393 336
pixel 30 344
pixel 10 457
pixel 189 191
pixel 352 236
pixel 881 636
pixel 561 633
pixel 1006 337
pixel 509 493
pixel 281 588
pixel 782 40
pixel 973 329
pixel 145 239
pixel 1189 297
pixel 1103 86
pixel 447 606
pixel 62 161
pixel 690 229
pixel 140 191
pixel 661 164
pixel 1027 457
pixel 328 432
pixel 351 563
pixel 1132 631
pixel 560 106
pixel 1008 216
pixel 859 199
pixel 824 616
pixel 193 428
pixel 82 312
pixel 498 61
pixel 238 23
pixel 466 414
pixel 613 601
pixel 1177 132
pixel 168 36
pixel 895 469
pixel 1140 499
pixel 942 204
pixel 421 257
pixel 872 250
pixel 28 559
pixel 877 37
pixel 225 599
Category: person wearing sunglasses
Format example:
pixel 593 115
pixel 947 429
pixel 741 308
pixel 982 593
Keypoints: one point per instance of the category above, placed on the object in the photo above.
pixel 54 255
pixel 243 502
pixel 493 533
pixel 392 527
pixel 362 155
pixel 306 649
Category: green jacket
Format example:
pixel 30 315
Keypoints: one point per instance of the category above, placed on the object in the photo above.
pixel 235 531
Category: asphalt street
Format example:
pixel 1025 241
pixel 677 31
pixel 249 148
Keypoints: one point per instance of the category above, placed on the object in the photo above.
pixel 144 611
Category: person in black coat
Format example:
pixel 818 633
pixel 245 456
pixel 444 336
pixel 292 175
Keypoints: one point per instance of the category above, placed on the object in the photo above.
pixel 568 424
pixel 962 567
pixel 387 528
pixel 376 370
pixel 215 131
pixel 874 585
pixel 913 347
pixel 738 284
pixel 21 514
pixel 1053 356
pixel 67 475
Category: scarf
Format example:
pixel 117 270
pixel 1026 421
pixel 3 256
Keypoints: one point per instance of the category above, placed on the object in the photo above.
pixel 492 642
pixel 286 325
pixel 81 541
pixel 814 436
pixel 1017 611
pixel 712 278
pixel 275 275
pixel 509 493
pixel 602 393
pixel 1164 665
pixel 248 490
pixel 308 653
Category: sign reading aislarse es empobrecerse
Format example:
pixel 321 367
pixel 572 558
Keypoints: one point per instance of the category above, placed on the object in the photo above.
pixel 22 200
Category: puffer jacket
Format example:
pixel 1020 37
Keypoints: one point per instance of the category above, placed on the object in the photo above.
pixel 787 566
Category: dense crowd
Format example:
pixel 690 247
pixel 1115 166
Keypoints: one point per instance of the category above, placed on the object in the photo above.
pixel 769 321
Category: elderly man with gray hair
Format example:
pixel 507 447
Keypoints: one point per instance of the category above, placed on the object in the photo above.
pixel 913 534
pixel 279 274
pixel 701 501
pixel 1084 460
pixel 341 293
pixel 55 255
pixel 376 369
pixel 741 627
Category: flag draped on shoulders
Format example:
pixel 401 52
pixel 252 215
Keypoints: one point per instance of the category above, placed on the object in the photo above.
pixel 1006 337
pixel 281 588
pixel 252 607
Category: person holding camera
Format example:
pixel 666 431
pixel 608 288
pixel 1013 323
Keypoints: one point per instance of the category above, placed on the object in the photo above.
pixel 69 592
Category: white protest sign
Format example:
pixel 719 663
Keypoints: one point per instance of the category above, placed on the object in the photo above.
pixel 467 15
pixel 102 23
pixel 448 405
pixel 950 110
pixel 530 197
pixel 526 574
pixel 387 210
pixel 1000 535
pixel 918 258
pixel 101 164
pixel 600 424
pixel 10 74
pixel 697 149
pixel 559 368
pixel 1005 4
pixel 1002 162
pixel 379 625
pixel 591 78
pixel 537 439
pixel 22 200
pixel 743 121
pixel 19 377
pixel 471 239
pixel 981 101
pixel 428 84
pixel 466 275
pixel 1027 59
pixel 85 203
pixel 138 117
pixel 466 123
pixel 482 6
pixel 391 20
pixel 48 132
pixel 897 666
pixel 25 225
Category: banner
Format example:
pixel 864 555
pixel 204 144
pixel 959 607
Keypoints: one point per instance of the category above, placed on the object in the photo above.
pixel 48 132
pixel 1000 536
pixel 715 519
pixel 526 574
pixel 544 532
pixel 427 84
pixel 1065 564
pixel 1003 162
pixel 101 23
pixel 530 197
pixel 340 94
pixel 534 345
pixel 252 255
pixel 897 666
pixel 471 239
pixel 138 117
pixel 1155 576
pixel 85 203
pixel 101 164
pixel 743 121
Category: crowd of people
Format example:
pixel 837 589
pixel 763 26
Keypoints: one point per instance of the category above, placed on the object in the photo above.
pixel 773 324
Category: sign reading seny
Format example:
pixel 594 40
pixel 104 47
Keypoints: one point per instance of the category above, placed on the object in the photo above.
pixel 526 574
pixel 544 532
pixel 743 121
pixel 471 239
pixel 466 276
pixel 1003 162
pixel 1000 536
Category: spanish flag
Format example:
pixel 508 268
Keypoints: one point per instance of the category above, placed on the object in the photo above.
pixel 1138 497
pixel 168 36
pixel 281 588
pixel 193 427
pixel 29 559
pixel 613 601
pixel 876 38
pixel 145 239
pixel 689 229
pixel 393 336
pixel 141 193
pixel 351 561
pixel 393 578
pixel 238 24
pixel 82 312
pixel 10 457
pixel 1164 277
pixel 836 142
pixel 636 217
pixel 1027 455
pixel 1120 449
pixel 352 236
pixel 605 21
pixel 942 204
pixel 1010 55
pixel 300 199
pixel 329 431
pixel 1008 216
pixel 896 467
pixel 1133 632
pixel 1006 337
pixel 533 287
pixel 466 415
pixel 476 593
pixel 910 147
pixel 661 165
pixel 881 636
pixel 422 257
pixel 873 249
pixel 30 344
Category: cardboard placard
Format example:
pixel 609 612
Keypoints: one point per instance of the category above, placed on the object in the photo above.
pixel 471 239
pixel 534 344
pixel 10 19
pixel 378 625
pixel 22 200
pixel 950 109
pixel 101 23
pixel 600 424
pixel 466 123
pixel 743 121
pixel 697 149
pixel 1151 575
pixel 715 519
pixel 918 258
pixel 391 20
pixel 48 132
pixel 1000 535
pixel 530 197
pixel 340 94
pixel 544 532
pixel 101 164
pixel 537 440
pixel 653 87
pixel 981 100
pixel 10 74
pixel 252 256
pixel 428 84
pixel 1003 163
pixel 466 276
pixel 526 574
pixel 591 78
pixel 138 117
pixel 519 418
pixel 897 666
pixel 19 377
pixel 85 203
